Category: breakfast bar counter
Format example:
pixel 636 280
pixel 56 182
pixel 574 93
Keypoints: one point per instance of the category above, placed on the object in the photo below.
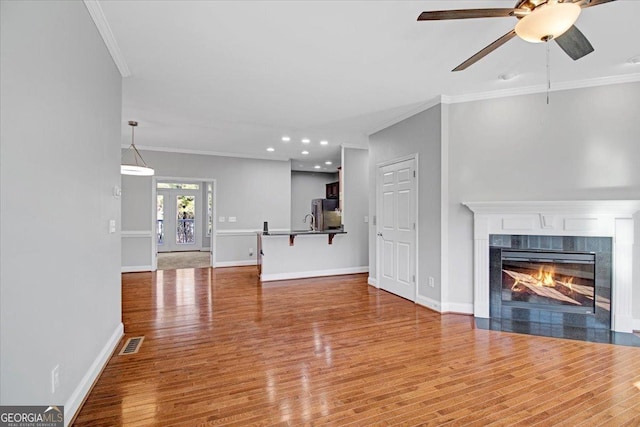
pixel 292 254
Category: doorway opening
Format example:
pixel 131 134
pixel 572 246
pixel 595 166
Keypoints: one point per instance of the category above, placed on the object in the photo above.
pixel 184 221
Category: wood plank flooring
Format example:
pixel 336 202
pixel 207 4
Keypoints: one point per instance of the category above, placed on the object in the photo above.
pixel 222 349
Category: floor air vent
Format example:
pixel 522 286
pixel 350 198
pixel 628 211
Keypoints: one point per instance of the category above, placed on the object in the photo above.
pixel 131 346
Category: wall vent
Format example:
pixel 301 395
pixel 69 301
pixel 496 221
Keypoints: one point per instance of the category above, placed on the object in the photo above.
pixel 131 346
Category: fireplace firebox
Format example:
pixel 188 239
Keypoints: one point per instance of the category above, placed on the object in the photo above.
pixel 550 280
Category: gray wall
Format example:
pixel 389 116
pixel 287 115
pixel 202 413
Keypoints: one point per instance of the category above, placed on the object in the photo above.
pixel 355 175
pixel 251 190
pixel 583 145
pixel 419 134
pixel 60 96
pixel 136 203
pixel 137 229
pixel 306 186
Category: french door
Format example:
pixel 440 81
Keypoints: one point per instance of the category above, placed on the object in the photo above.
pixel 178 220
pixel 396 206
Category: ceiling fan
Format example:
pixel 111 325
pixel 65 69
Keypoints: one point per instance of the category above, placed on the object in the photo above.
pixel 538 21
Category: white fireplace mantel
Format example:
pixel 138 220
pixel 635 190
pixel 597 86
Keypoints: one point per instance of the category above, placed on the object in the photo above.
pixel 598 218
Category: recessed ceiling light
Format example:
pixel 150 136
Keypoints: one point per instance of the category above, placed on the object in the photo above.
pixel 305 152
pixel 286 138
pixel 635 60
pixel 328 162
pixel 324 142
pixel 316 167
pixel 306 140
pixel 271 149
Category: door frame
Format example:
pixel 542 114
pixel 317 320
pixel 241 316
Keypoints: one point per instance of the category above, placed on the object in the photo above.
pixel 154 214
pixel 379 167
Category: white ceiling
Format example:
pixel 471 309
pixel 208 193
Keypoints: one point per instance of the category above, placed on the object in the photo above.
pixel 233 77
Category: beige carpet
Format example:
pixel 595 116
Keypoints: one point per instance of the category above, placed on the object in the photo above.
pixel 175 260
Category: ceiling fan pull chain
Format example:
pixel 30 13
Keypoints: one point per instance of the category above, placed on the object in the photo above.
pixel 548 72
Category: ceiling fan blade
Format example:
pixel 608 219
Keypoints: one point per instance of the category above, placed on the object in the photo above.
pixel 590 3
pixel 487 50
pixel 574 43
pixel 439 15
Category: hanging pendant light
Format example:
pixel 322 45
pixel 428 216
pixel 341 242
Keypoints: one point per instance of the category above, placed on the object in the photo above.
pixel 138 166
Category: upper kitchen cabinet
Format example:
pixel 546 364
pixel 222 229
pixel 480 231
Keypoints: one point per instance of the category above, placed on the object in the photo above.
pixel 333 190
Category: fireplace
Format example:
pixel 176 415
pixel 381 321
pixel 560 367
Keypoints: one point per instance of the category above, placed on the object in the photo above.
pixel 572 237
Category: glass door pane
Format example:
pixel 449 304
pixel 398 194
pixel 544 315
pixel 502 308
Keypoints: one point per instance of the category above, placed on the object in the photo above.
pixel 160 219
pixel 185 220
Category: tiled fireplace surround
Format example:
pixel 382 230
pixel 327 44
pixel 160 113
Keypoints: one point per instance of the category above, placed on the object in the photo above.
pixel 594 218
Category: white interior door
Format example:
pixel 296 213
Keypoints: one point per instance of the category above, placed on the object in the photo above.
pixel 178 220
pixel 397 228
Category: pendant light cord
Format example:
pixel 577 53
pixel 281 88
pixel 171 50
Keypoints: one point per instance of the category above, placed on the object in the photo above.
pixel 138 166
pixel 136 153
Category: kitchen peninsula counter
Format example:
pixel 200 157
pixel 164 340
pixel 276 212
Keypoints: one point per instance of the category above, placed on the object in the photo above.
pixel 305 253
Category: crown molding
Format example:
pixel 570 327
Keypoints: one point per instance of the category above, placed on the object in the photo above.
pixel 95 10
pixel 542 88
pixel 528 90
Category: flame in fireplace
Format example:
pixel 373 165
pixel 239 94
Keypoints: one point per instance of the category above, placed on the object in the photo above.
pixel 542 278
pixel 569 284
pixel 544 284
pixel 545 278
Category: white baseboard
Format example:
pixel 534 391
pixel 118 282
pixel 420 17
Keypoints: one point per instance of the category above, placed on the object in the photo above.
pixel 636 325
pixel 446 307
pixel 135 268
pixel 372 281
pixel 73 404
pixel 236 263
pixel 429 303
pixel 318 273
pixel 458 308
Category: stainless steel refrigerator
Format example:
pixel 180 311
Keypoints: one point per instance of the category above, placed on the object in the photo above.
pixel 325 214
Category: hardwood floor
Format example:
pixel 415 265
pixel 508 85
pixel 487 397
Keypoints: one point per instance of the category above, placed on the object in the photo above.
pixel 221 349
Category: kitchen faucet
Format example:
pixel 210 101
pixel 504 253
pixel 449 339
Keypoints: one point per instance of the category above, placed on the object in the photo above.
pixel 312 223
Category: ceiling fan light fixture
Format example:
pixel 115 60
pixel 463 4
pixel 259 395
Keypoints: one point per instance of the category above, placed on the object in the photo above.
pixel 547 22
pixel 138 166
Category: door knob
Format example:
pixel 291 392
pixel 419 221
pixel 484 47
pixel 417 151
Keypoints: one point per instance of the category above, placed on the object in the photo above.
pixel 379 234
